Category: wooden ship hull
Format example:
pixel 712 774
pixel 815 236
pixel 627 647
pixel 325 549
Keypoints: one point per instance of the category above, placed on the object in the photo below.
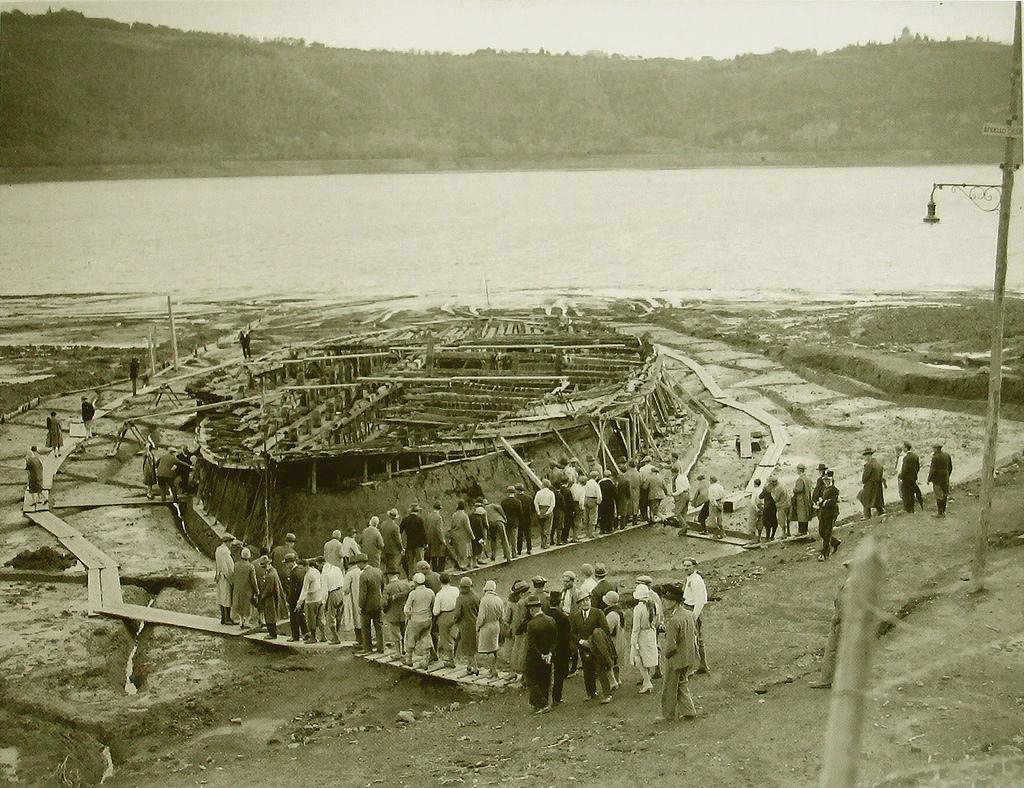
pixel 325 435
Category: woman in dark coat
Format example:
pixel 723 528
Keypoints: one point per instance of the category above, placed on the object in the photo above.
pixel 54 436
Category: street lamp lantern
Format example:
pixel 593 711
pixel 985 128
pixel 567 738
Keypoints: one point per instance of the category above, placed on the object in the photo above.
pixel 931 218
pixel 985 197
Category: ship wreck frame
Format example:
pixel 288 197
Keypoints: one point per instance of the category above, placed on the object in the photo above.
pixel 324 435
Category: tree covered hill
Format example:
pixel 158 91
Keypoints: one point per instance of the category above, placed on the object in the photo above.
pixel 82 91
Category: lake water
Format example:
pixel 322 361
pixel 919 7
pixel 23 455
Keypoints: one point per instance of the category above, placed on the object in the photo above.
pixel 767 229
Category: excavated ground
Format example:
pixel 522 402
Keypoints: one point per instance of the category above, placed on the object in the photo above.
pixel 319 714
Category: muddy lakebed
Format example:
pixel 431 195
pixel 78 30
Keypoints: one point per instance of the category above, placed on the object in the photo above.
pixel 67 676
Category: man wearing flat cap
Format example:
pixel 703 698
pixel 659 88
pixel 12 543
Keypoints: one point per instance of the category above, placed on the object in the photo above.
pixel 938 477
pixel 872 481
pixel 280 551
pixel 540 642
pixel 680 653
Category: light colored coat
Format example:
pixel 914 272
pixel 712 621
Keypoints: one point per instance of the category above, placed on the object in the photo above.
pixel 225 571
pixel 644 638
pixel 800 507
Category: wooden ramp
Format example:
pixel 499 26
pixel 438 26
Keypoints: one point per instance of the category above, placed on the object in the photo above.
pixel 729 538
pixel 96 502
pixel 437 670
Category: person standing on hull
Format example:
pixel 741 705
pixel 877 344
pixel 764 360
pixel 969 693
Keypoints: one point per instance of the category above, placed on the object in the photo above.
pixel 681 497
pixel 700 499
pixel 656 492
pixel 644 471
pixel 541 634
pixel 497 531
pixel 680 657
pixel 872 479
pixel 592 498
pixel 716 506
pixel 908 467
pixel 938 477
pixel 606 509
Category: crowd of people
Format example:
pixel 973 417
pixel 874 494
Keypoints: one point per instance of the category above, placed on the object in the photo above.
pixel 431 619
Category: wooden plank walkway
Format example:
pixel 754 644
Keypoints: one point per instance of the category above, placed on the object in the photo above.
pixel 437 670
pixel 780 437
pixel 110 500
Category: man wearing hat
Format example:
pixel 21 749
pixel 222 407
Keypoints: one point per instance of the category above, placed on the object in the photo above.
pixel 222 577
pixel 371 604
pixel 632 475
pixel 414 538
pixel 392 552
pixel 938 477
pixel 604 585
pixel 488 625
pixel 819 486
pixel 497 532
pixel 393 599
pixel 512 507
pixel 584 621
pixel 544 512
pixel 592 497
pixel 908 466
pixel 700 499
pixel 828 659
pixel 801 509
pixel 371 542
pixel 310 599
pixel 524 538
pixel 280 551
pixel 437 538
pixel 872 481
pixel 828 513
pixel 540 643
pixel 272 598
pixel 293 579
pixel 332 580
pixel 467 608
pixel 563 645
pixel 418 620
pixel 645 471
pixel 680 657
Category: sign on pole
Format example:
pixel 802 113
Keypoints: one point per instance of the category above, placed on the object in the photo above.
pixel 996 130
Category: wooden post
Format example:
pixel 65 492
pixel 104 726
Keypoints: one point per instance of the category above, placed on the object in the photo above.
pixel 152 352
pixel 174 333
pixel 995 369
pixel 312 477
pixel 853 672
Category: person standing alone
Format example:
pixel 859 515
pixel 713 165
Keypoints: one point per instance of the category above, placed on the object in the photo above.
pixel 938 476
pixel 909 466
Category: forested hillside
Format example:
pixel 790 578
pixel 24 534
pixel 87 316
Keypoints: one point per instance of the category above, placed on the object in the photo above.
pixel 79 91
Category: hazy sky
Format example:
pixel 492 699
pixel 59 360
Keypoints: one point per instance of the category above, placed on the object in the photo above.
pixel 672 28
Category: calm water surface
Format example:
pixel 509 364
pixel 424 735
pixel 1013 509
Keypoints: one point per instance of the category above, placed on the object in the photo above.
pixel 817 229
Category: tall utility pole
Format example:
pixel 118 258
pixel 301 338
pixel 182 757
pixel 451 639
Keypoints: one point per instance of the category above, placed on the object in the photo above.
pixel 174 334
pixel 995 373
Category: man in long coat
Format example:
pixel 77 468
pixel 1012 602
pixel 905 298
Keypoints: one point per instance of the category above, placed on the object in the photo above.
pixel 872 481
pixel 801 509
pixel 371 542
pixel 272 598
pixel 392 535
pixel 222 577
pixel 293 579
pixel 540 643
pixel 437 542
pixel 909 469
pixel 680 655
pixel 938 477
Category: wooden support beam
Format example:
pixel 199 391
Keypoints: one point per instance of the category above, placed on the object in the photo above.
pixel 520 462
pixel 604 446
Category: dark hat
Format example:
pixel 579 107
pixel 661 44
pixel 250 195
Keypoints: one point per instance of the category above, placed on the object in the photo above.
pixel 520 488
pixel 822 466
pixel 830 474
pixel 534 600
pixel 519 586
pixel 600 570
pixel 290 557
pixel 672 591
pixel 936 445
pixel 539 581
pixel 868 451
